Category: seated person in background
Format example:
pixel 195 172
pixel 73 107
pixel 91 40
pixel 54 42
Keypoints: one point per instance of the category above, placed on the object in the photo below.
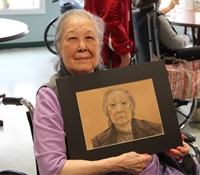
pixel 168 37
pixel 78 39
pixel 70 4
pixel 119 107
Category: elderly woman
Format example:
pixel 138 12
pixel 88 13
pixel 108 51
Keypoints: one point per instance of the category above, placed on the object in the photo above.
pixel 79 38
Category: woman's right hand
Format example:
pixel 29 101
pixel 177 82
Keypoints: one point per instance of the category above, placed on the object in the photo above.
pixel 131 162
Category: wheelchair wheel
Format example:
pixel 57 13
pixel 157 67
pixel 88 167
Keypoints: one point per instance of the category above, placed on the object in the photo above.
pixel 49 35
pixel 185 110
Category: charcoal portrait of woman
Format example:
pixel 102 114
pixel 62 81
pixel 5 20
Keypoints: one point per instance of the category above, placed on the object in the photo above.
pixel 119 107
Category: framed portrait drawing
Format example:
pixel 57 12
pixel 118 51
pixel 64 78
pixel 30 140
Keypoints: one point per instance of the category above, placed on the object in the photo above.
pixel 107 113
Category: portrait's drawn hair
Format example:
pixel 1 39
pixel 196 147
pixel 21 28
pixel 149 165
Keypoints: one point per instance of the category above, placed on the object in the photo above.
pixel 128 95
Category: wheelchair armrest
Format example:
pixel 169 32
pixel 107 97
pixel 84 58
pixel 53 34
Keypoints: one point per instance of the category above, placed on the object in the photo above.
pixel 189 54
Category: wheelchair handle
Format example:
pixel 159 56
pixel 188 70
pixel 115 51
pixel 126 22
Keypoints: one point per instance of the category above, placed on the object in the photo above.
pixel 17 102
pixel 11 101
pixel 189 138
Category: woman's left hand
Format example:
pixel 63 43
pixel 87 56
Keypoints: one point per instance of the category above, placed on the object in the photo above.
pixel 173 3
pixel 180 151
pixel 176 2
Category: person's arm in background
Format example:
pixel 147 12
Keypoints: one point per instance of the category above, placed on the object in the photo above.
pixel 170 6
pixel 116 15
pixel 168 37
pixel 117 18
pixel 125 60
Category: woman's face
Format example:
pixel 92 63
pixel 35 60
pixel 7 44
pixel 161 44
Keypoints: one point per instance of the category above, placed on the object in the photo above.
pixel 79 46
pixel 119 108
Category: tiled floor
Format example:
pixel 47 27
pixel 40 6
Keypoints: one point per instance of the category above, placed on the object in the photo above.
pixel 22 71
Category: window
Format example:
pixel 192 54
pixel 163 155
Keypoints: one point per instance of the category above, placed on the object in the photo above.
pixel 164 3
pixel 186 4
pixel 11 7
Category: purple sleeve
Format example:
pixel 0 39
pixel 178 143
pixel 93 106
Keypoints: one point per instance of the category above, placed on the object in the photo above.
pixel 49 135
pixel 152 167
pixel 157 168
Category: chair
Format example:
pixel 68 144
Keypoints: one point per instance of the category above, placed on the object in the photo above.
pixel 147 44
pixel 29 113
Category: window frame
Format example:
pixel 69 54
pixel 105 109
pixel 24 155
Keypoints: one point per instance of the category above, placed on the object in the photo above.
pixel 23 11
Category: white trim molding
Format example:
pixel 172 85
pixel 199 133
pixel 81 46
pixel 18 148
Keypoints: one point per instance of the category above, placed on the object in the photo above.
pixel 31 9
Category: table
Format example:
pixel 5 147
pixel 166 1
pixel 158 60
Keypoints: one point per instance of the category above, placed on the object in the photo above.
pixel 12 29
pixel 186 18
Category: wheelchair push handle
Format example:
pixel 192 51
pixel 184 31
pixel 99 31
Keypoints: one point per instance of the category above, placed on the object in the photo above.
pixel 11 101
pixel 17 102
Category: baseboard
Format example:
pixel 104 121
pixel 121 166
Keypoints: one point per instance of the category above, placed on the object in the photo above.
pixel 22 45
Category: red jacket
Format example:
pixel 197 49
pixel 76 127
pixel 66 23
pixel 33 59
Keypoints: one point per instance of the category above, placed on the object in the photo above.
pixel 119 35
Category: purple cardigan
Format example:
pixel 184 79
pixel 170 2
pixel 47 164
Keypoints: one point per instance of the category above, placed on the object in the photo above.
pixel 49 138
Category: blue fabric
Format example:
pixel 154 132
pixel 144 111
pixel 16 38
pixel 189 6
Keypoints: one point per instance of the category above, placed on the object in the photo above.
pixel 77 3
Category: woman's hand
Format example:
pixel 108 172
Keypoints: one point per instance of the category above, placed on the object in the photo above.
pixel 176 2
pixel 131 162
pixel 125 60
pixel 173 3
pixel 170 6
pixel 180 151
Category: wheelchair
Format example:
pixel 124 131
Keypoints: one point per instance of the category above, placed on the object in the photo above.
pixel 145 25
pixel 147 44
pixel 29 113
pixel 49 33
pixel 189 138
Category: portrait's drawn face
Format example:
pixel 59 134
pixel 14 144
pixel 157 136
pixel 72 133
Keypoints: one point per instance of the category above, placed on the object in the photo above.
pixel 119 108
